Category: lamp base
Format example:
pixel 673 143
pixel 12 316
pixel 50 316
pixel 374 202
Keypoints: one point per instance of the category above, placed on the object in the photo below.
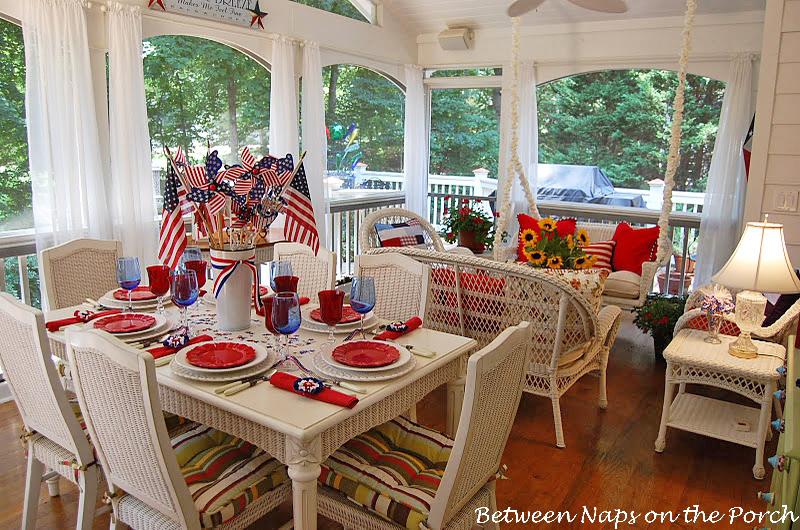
pixel 743 347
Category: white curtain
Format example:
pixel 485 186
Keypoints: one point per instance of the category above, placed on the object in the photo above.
pixel 315 142
pixel 131 168
pixel 725 192
pixel 415 159
pixel 70 194
pixel 283 100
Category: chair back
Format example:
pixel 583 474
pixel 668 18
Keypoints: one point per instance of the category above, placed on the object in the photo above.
pixel 495 377
pixel 77 269
pixel 118 394
pixel 33 381
pixel 401 285
pixel 368 235
pixel 316 273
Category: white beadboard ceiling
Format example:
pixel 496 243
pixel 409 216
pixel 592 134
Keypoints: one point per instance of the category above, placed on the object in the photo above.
pixel 432 16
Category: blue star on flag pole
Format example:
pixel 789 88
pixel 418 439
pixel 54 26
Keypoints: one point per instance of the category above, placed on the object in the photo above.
pixel 258 15
pixel 160 3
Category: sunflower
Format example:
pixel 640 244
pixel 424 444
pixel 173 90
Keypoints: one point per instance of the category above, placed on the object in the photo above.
pixel 570 241
pixel 547 224
pixel 593 259
pixel 583 262
pixel 529 237
pixel 555 262
pixel 582 237
pixel 536 257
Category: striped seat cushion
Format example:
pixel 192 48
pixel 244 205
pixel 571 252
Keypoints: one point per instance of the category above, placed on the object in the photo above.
pixel 224 473
pixel 393 470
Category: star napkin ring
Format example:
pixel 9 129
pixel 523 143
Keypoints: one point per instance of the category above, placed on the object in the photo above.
pixel 397 327
pixel 177 340
pixel 84 314
pixel 308 385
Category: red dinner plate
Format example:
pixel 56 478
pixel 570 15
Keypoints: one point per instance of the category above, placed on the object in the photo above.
pixel 140 293
pixel 348 315
pixel 125 323
pixel 220 355
pixel 364 354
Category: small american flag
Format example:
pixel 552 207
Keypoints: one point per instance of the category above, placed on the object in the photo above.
pixel 300 226
pixel 187 207
pixel 172 237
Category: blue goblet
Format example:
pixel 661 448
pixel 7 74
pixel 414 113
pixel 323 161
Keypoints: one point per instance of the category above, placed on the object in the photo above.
pixel 286 316
pixel 184 292
pixel 128 276
pixel 362 297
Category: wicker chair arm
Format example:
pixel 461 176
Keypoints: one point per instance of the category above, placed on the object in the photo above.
pixel 608 323
pixel 649 269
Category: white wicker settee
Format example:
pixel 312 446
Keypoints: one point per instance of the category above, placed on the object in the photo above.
pixel 479 298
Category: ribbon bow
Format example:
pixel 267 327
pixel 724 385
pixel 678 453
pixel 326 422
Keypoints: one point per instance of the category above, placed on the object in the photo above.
pixel 308 385
pixel 226 268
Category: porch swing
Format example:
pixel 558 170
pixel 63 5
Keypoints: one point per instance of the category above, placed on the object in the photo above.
pixel 636 288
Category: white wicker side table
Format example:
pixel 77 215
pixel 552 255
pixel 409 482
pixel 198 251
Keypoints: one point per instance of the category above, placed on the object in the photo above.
pixel 692 360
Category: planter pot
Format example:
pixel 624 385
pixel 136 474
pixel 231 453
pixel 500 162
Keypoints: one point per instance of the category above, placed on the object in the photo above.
pixel 660 342
pixel 674 282
pixel 466 238
pixel 236 295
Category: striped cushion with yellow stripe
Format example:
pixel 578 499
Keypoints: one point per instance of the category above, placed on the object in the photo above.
pixel 224 473
pixel 394 470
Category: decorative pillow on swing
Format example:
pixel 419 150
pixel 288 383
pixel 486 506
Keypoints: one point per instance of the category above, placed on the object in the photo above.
pixel 526 222
pixel 406 234
pixel 633 247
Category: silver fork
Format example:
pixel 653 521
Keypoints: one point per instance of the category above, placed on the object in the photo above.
pixel 343 384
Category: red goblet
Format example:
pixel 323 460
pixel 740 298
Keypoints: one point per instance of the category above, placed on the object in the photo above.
pixel 158 277
pixel 286 284
pixel 330 310
pixel 268 318
pixel 199 267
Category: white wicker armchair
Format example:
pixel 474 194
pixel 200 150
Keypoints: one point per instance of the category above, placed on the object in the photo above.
pixel 400 284
pixel 316 273
pixel 52 432
pixel 153 486
pixel 77 269
pixel 368 236
pixel 495 376
pixel 478 298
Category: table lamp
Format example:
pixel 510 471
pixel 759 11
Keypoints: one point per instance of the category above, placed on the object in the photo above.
pixel 759 264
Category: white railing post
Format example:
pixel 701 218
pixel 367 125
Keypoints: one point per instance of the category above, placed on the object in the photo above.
pixel 478 191
pixel 24 283
pixel 656 197
pixel 358 174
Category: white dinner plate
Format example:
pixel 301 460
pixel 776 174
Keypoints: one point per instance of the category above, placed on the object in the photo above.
pixel 405 356
pixel 108 300
pixel 249 371
pixel 309 324
pixel 331 371
pixel 161 325
pixel 262 354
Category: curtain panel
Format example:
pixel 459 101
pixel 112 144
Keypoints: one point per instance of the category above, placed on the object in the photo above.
pixel 315 142
pixel 415 145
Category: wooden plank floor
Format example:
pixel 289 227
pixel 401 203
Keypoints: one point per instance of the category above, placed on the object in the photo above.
pixel 609 462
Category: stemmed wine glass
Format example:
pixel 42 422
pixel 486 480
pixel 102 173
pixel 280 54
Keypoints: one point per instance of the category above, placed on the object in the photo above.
pixel 128 276
pixel 158 277
pixel 268 321
pixel 330 311
pixel 286 316
pixel 184 293
pixel 191 254
pixel 199 267
pixel 278 269
pixel 362 297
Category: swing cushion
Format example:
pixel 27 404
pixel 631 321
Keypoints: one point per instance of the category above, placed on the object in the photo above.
pixel 406 234
pixel 633 247
pixel 526 222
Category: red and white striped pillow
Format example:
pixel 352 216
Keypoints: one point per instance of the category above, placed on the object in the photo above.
pixel 603 250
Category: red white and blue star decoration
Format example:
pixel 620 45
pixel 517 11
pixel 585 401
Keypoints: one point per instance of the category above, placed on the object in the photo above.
pixel 257 15
pixel 308 385
pixel 159 3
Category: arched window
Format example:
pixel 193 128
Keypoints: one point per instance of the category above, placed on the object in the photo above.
pixel 364 115
pixel 201 92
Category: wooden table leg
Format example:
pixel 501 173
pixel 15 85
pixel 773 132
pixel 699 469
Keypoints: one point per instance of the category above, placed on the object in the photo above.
pixel 763 425
pixel 304 458
pixel 669 390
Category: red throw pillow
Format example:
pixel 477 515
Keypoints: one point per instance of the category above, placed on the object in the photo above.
pixel 526 222
pixel 633 247
pixel 603 250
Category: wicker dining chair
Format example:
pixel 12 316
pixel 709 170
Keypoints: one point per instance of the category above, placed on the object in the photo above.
pixel 201 479
pixel 401 474
pixel 401 285
pixel 77 269
pixel 316 272
pixel 52 431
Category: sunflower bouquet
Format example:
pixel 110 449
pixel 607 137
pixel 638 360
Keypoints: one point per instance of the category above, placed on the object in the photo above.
pixel 546 248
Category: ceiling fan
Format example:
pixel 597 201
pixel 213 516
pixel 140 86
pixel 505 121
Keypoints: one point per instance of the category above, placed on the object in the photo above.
pixel 520 7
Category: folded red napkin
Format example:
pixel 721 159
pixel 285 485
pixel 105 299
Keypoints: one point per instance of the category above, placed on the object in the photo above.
pixel 81 315
pixel 268 302
pixel 411 324
pixel 161 351
pixel 286 382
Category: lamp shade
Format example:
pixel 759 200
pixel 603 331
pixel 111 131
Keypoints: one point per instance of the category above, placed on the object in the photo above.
pixel 760 262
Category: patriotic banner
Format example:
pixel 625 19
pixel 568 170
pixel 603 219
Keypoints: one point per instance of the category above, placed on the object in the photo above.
pixel 227 267
pixel 172 236
pixel 747 148
pixel 239 12
pixel 300 226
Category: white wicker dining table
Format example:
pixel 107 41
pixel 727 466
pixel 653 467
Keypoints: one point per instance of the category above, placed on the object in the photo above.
pixel 298 431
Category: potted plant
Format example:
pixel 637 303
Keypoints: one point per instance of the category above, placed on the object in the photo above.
pixel 658 316
pixel 470 226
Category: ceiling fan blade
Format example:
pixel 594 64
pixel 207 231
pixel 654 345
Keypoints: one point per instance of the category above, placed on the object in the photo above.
pixel 520 7
pixel 604 6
